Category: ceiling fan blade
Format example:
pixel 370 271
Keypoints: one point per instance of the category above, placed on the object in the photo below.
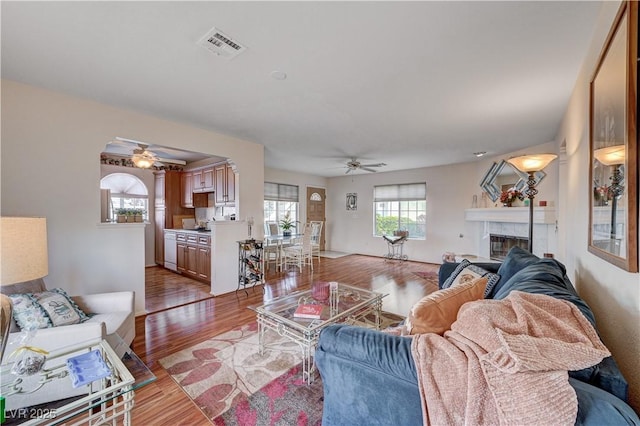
pixel 168 160
pixel 368 169
pixel 348 171
pixel 373 165
pixel 124 141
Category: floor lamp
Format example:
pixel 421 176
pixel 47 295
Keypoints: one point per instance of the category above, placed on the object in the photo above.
pixel 531 164
pixel 23 257
pixel 613 156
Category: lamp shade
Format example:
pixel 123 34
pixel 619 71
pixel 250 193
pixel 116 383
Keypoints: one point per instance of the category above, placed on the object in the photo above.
pixel 532 163
pixel 611 155
pixel 23 249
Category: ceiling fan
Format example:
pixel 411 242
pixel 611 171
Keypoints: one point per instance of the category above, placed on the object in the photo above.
pixel 140 153
pixel 354 164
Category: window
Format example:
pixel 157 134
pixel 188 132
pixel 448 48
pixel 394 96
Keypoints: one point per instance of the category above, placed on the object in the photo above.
pixel 127 191
pixel 278 200
pixel 400 207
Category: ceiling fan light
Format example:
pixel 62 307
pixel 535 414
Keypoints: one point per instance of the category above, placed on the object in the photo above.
pixel 142 161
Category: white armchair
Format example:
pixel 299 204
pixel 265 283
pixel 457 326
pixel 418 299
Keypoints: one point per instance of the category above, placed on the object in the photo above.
pixel 110 314
pixel 111 317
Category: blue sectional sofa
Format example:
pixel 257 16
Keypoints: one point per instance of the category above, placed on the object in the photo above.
pixel 369 377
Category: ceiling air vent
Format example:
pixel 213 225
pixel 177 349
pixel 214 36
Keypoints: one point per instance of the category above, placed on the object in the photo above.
pixel 221 44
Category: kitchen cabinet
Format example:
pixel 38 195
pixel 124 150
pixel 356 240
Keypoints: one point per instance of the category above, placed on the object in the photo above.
pixel 203 180
pixel 159 230
pixel 225 181
pixel 193 255
pixel 186 189
pixel 167 203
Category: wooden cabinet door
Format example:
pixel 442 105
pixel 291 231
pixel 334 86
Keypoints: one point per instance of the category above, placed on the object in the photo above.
pixel 198 181
pixel 204 262
pixel 159 235
pixel 208 179
pixel 221 183
pixel 230 184
pixel 192 260
pixel 160 185
pixel 181 254
pixel 186 184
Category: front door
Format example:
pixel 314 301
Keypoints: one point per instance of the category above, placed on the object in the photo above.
pixel 315 209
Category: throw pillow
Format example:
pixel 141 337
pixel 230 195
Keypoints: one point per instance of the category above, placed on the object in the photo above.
pixel 436 312
pixel 27 313
pixel 46 309
pixel 466 271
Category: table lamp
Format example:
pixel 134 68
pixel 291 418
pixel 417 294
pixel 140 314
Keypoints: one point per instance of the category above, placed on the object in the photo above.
pixel 531 164
pixel 23 257
pixel 613 156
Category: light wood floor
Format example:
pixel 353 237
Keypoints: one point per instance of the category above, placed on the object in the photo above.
pixel 169 330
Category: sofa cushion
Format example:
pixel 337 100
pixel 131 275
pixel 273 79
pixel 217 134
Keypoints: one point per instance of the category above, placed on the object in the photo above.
pixel 466 271
pixel 516 260
pixel 436 312
pixel 45 309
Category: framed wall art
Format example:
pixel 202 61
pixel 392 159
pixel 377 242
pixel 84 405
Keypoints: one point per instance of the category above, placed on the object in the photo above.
pixel 352 201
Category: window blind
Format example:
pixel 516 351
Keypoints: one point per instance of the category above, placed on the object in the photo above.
pixel 280 192
pixel 400 192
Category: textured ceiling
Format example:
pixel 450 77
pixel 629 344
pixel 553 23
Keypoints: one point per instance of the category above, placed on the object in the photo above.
pixel 410 84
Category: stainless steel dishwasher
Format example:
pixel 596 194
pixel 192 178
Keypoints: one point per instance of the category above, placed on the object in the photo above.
pixel 170 251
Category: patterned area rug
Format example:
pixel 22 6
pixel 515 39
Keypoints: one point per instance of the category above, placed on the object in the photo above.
pixel 232 383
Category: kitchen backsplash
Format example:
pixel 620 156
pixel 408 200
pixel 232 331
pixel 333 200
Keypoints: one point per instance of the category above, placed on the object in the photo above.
pixel 219 213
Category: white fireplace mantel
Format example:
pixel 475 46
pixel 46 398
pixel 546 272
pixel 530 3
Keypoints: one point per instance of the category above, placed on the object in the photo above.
pixel 541 215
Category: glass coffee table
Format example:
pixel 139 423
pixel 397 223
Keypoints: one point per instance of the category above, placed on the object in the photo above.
pixel 351 305
pixel 36 399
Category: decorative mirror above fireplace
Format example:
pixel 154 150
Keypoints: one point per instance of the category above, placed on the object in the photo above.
pixel 613 171
pixel 502 176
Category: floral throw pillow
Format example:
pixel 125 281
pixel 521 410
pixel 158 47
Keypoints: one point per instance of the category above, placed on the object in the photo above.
pixel 28 314
pixel 45 309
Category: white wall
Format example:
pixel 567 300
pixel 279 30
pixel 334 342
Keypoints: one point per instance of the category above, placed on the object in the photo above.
pixel 50 167
pixel 450 190
pixel 613 294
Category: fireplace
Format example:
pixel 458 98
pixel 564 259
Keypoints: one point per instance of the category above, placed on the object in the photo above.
pixel 499 245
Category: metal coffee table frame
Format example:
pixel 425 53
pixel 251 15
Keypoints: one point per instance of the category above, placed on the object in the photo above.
pixel 277 315
pixel 108 401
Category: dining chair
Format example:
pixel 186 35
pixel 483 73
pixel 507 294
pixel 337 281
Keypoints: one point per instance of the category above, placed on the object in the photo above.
pixel 272 253
pixel 316 235
pixel 273 228
pixel 299 254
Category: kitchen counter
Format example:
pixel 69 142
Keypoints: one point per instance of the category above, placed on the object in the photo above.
pixel 189 231
pixel 212 224
pixel 222 257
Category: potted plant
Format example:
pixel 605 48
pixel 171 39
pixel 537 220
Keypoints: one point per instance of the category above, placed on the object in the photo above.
pixel 287 224
pixel 121 215
pixel 137 214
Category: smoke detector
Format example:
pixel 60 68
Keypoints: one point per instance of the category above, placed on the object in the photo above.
pixel 221 44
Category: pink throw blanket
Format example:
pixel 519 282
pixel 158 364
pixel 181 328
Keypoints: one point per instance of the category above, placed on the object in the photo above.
pixel 506 362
